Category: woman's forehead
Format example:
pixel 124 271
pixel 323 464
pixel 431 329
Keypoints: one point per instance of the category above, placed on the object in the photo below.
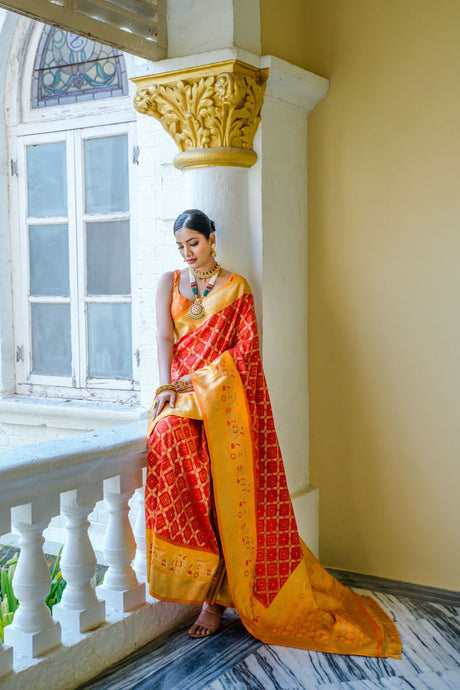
pixel 186 234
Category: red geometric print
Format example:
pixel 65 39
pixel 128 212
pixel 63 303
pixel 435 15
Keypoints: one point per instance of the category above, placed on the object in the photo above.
pixel 178 490
pixel 177 495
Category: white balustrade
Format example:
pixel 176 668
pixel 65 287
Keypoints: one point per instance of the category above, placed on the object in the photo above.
pixel 120 589
pixel 79 608
pixel 36 482
pixel 33 631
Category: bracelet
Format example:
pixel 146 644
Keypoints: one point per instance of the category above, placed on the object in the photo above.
pixel 166 387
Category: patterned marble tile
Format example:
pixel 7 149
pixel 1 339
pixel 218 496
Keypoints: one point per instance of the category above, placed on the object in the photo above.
pixel 174 661
pixel 234 660
pixel 450 680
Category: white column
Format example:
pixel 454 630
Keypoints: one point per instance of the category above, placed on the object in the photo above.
pixel 79 610
pixel 290 95
pixel 260 212
pixel 33 632
pixel 120 589
pixel 223 193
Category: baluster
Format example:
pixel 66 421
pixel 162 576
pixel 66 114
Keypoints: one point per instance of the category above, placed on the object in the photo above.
pixel 120 590
pixel 140 561
pixel 33 632
pixel 6 653
pixel 80 609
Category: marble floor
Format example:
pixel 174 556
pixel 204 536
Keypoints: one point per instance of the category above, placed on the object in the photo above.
pixel 427 618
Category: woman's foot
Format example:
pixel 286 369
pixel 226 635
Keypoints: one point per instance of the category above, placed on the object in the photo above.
pixel 208 622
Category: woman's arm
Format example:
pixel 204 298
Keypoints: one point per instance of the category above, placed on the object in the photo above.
pixel 165 340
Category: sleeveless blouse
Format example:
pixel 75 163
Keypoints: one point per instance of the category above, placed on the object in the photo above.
pixel 179 303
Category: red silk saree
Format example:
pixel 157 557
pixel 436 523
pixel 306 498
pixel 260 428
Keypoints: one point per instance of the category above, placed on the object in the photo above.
pixel 219 520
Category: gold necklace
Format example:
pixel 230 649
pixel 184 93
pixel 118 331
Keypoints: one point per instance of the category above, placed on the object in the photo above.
pixel 197 310
pixel 204 275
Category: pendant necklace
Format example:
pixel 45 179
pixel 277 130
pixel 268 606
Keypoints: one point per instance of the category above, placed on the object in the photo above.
pixel 197 311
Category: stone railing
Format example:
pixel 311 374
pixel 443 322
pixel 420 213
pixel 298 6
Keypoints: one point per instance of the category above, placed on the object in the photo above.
pixel 68 477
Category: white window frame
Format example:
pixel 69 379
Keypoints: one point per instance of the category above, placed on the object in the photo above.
pixel 78 385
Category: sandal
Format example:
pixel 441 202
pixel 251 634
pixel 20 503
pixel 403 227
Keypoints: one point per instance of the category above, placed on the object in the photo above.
pixel 209 620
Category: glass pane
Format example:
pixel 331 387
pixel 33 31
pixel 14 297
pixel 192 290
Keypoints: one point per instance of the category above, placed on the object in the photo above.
pixel 107 258
pixel 106 174
pixel 109 341
pixel 70 68
pixel 49 260
pixel 51 350
pixel 47 180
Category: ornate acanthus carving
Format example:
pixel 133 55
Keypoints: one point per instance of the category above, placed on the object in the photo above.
pixel 211 112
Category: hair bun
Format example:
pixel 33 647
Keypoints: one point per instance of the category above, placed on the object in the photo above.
pixel 213 225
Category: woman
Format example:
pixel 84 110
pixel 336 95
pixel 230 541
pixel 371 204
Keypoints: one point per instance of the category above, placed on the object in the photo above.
pixel 221 529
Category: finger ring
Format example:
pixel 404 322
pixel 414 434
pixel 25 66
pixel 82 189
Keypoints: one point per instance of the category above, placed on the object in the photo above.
pixel 180 385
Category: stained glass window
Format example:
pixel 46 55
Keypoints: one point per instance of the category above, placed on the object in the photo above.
pixel 70 69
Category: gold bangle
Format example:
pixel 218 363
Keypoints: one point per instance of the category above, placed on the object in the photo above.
pixel 166 387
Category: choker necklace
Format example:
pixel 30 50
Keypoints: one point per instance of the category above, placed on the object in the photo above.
pixel 197 311
pixel 204 275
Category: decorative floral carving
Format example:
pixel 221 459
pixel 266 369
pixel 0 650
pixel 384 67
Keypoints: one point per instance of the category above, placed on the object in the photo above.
pixel 201 112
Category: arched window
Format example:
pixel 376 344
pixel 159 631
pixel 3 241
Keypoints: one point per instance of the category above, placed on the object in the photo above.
pixel 72 224
pixel 70 68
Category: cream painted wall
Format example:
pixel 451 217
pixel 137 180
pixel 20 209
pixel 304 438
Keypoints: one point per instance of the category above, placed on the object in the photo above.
pixel 384 279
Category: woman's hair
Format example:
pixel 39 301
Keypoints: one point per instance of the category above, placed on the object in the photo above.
pixel 193 219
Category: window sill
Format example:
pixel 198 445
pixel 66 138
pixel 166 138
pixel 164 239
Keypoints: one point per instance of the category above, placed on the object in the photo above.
pixel 25 420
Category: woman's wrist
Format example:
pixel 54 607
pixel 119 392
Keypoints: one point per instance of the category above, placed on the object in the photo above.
pixel 165 387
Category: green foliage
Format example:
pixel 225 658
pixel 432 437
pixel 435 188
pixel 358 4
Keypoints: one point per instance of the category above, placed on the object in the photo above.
pixel 57 584
pixel 9 603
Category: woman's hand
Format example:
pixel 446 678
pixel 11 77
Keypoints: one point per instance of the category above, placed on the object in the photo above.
pixel 162 399
pixel 184 384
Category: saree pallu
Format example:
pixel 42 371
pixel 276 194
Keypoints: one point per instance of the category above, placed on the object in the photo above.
pixel 219 521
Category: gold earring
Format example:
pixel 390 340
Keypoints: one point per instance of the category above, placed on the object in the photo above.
pixel 213 247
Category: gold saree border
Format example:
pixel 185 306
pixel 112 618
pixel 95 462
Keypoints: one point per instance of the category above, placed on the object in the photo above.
pixel 179 573
pixel 229 436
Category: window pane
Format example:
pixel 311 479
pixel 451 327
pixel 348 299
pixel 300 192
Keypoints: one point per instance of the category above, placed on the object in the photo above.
pixel 107 258
pixel 106 175
pixel 47 180
pixel 49 260
pixel 51 351
pixel 109 341
pixel 70 68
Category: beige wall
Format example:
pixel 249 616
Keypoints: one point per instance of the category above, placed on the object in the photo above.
pixel 384 279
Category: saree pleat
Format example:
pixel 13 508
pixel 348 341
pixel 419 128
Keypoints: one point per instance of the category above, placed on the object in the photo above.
pixel 219 519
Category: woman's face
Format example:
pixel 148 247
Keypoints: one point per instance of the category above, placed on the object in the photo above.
pixel 194 247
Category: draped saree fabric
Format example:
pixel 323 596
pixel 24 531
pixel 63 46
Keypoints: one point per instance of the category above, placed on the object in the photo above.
pixel 219 520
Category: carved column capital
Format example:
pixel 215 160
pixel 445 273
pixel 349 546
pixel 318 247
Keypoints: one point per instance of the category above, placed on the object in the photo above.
pixel 212 112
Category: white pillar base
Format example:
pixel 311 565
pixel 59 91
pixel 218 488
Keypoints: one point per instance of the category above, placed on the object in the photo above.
pixel 306 510
pixel 80 620
pixel 6 659
pixel 125 600
pixel 33 644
